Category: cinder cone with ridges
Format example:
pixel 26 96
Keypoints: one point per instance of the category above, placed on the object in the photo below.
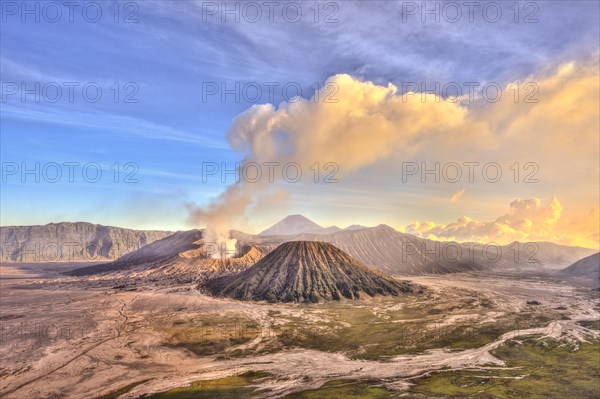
pixel 307 271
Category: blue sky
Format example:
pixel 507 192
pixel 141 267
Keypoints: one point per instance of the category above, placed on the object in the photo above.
pixel 164 59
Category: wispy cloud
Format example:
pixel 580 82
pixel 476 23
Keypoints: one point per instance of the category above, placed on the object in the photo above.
pixel 457 196
pixel 106 122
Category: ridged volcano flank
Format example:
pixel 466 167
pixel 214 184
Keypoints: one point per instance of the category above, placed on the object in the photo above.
pixel 306 271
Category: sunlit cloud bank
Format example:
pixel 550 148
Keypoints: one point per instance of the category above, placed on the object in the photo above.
pixel 369 123
pixel 527 220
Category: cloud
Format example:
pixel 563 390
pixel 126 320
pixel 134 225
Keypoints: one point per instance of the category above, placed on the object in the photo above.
pixel 456 196
pixel 367 124
pixel 125 126
pixel 362 124
pixel 527 220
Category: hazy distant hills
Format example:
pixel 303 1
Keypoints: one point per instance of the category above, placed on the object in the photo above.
pixel 185 254
pixel 554 256
pixel 588 268
pixel 307 271
pixel 69 242
pixel 390 251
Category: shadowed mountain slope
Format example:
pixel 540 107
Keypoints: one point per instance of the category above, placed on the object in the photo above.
pixel 393 252
pixel 588 267
pixel 154 253
pixel 179 258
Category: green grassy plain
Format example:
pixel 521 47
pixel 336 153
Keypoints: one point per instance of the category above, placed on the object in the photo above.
pixel 234 387
pixel 543 369
pixel 536 368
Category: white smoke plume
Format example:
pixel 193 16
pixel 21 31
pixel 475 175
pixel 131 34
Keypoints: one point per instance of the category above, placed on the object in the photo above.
pixel 364 123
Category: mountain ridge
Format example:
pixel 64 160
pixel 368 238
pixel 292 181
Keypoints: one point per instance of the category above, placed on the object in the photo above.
pixel 382 248
pixel 297 224
pixel 292 224
pixel 72 241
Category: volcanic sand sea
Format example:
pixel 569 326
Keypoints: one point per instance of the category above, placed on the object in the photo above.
pixel 119 337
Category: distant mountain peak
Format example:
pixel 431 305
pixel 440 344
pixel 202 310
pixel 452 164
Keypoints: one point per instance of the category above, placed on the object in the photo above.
pixel 297 218
pixel 355 227
pixel 293 224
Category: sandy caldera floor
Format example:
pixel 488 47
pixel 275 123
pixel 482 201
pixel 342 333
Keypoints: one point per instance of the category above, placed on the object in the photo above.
pixel 71 340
